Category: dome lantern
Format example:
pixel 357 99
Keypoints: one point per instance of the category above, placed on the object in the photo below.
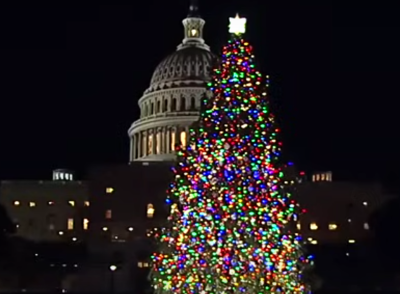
pixel 193 25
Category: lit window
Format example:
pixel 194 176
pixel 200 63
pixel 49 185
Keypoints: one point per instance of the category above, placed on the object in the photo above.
pixel 108 214
pixel 70 224
pixel 17 203
pixel 332 227
pixel 313 226
pixel 298 226
pixel 109 190
pixel 72 203
pixel 365 203
pixel 105 229
pixel 86 203
pixel 150 210
pixel 140 264
pixel 61 233
pixel 145 264
pixel 150 144
pixel 193 33
pixel 50 203
pixel 85 224
pixel 351 241
pixel 323 177
pixel 130 229
pixel 349 220
pixel 32 204
pixel 183 138
pixel 74 239
pixel 366 226
pixel 314 242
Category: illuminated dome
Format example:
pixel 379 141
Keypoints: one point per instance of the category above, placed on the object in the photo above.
pixel 189 66
pixel 171 104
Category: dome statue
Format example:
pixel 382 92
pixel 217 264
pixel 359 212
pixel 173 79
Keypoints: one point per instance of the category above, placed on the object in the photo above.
pixel 171 103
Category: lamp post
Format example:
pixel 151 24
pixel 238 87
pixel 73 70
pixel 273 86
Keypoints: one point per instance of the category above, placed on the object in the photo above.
pixel 113 268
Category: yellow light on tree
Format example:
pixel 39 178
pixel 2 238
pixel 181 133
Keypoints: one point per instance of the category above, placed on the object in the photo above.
pixel 237 25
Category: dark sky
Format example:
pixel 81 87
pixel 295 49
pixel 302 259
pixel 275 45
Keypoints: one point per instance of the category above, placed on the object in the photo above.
pixel 72 75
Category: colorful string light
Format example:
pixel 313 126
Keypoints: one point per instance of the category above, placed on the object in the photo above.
pixel 231 223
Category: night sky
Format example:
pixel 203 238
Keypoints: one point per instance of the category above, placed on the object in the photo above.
pixel 72 76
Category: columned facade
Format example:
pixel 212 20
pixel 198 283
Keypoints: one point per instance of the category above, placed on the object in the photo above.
pixel 171 104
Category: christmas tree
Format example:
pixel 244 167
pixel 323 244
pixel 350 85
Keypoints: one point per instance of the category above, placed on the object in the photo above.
pixel 231 219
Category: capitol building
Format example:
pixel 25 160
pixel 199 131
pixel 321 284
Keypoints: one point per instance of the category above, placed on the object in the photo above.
pixel 171 104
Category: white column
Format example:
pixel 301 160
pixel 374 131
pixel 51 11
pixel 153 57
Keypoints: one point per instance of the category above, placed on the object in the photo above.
pixel 153 146
pixel 168 140
pixel 134 143
pixel 131 156
pixel 145 140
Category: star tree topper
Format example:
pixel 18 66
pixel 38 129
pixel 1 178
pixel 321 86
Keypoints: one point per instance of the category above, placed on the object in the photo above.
pixel 237 25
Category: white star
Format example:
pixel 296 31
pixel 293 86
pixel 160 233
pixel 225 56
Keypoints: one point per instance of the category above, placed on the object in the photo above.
pixel 237 25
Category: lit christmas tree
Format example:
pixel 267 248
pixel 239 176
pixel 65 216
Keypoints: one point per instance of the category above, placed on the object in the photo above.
pixel 231 219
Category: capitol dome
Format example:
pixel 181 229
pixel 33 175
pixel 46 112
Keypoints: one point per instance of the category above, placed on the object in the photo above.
pixel 187 66
pixel 171 104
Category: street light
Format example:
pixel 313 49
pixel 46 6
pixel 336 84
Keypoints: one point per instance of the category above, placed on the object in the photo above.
pixel 113 268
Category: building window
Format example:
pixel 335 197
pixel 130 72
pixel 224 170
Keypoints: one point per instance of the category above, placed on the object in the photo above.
pixel 183 138
pixel 72 203
pixel 150 145
pixel 158 106
pixel 298 226
pixel 365 203
pixel 351 241
pixel 17 203
pixel 152 108
pixel 313 226
pixel 109 190
pixel 32 204
pixel 150 210
pixel 166 105
pixel 86 203
pixel 130 229
pixel 192 104
pixel 105 229
pixel 366 226
pixel 173 106
pixel 50 203
pixel 108 214
pixel 70 224
pixel 332 227
pixel 314 242
pixel 183 104
pixel 85 224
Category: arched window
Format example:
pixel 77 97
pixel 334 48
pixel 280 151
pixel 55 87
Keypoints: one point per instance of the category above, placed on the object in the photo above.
pixel 192 104
pixel 150 144
pixel 158 106
pixel 146 110
pixel 173 106
pixel 165 104
pixel 183 104
pixel 152 108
